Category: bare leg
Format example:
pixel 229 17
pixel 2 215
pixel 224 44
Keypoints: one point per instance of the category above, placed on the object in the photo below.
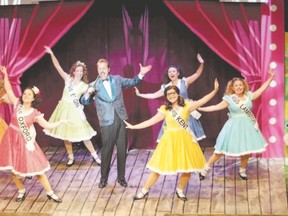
pixel 21 189
pixel 243 165
pixel 68 146
pixel 184 178
pixel 92 150
pixel 18 182
pixel 153 177
pixel 244 161
pixel 46 185
pixel 69 149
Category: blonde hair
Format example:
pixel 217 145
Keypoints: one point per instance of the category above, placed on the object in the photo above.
pixel 229 88
pixel 103 61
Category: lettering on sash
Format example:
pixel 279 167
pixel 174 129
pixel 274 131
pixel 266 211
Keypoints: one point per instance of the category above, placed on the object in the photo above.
pixel 75 100
pixel 246 110
pixel 182 123
pixel 28 134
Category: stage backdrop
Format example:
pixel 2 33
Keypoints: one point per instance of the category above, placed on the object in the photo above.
pixel 148 32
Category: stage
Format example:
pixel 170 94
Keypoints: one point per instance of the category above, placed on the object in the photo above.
pixel 221 193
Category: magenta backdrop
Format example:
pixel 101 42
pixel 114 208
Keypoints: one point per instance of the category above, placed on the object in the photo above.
pixel 145 32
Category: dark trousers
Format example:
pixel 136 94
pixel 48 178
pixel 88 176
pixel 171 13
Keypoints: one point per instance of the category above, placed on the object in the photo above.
pixel 111 135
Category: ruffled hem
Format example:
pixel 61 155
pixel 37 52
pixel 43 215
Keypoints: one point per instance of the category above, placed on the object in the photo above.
pixel 69 139
pixel 10 168
pixel 242 153
pixel 161 172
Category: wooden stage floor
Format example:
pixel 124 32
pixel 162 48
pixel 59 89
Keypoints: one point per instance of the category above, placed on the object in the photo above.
pixel 222 192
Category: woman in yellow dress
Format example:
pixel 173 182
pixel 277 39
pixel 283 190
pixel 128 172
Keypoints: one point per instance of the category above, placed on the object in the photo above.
pixel 176 151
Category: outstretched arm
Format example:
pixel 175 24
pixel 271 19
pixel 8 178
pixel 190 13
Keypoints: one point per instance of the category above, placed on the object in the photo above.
pixel 198 72
pixel 7 86
pixel 155 119
pixel 196 104
pixel 154 95
pixel 47 125
pixel 56 63
pixel 264 86
pixel 222 105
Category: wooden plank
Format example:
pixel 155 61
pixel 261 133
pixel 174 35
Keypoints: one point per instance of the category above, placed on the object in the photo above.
pixel 264 193
pixel 264 186
pixel 278 191
pixel 230 192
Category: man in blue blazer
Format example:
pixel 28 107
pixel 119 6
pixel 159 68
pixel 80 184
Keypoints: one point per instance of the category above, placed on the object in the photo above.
pixel 106 91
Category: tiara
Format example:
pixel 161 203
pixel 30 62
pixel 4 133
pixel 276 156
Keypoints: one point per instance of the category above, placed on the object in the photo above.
pixel 80 63
pixel 35 90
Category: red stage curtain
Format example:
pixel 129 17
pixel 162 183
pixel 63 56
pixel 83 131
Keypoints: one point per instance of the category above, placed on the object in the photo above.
pixel 24 30
pixel 241 35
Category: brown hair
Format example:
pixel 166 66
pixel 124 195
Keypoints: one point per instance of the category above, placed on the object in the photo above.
pixel 178 69
pixel 85 71
pixel 37 98
pixel 180 101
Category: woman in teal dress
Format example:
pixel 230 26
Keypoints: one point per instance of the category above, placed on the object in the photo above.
pixel 240 135
pixel 70 108
pixel 175 77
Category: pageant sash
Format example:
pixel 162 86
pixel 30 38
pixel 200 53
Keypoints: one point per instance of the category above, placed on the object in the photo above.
pixel 29 134
pixel 75 100
pixel 182 123
pixel 245 110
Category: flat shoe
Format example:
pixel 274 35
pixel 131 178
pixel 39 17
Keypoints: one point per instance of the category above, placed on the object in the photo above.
pixel 54 197
pixel 97 161
pixel 181 196
pixel 243 176
pixel 70 163
pixel 21 197
pixel 140 195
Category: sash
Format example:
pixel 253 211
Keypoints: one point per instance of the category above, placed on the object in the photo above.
pixel 75 100
pixel 245 110
pixel 182 123
pixel 29 134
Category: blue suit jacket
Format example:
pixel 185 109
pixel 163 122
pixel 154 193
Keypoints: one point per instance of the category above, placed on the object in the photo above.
pixel 106 106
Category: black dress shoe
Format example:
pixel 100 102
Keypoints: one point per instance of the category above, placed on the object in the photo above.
pixel 123 183
pixel 54 197
pixel 243 176
pixel 181 196
pixel 70 163
pixel 21 197
pixel 140 195
pixel 201 177
pixel 102 184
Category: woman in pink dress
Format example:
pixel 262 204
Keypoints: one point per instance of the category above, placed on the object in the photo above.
pixel 19 151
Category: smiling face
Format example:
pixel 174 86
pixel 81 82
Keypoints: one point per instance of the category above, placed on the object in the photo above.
pixel 103 69
pixel 172 96
pixel 238 87
pixel 173 74
pixel 28 96
pixel 78 73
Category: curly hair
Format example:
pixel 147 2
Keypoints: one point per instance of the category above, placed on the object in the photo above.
pixel 179 70
pixel 180 100
pixel 229 88
pixel 85 71
pixel 37 98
